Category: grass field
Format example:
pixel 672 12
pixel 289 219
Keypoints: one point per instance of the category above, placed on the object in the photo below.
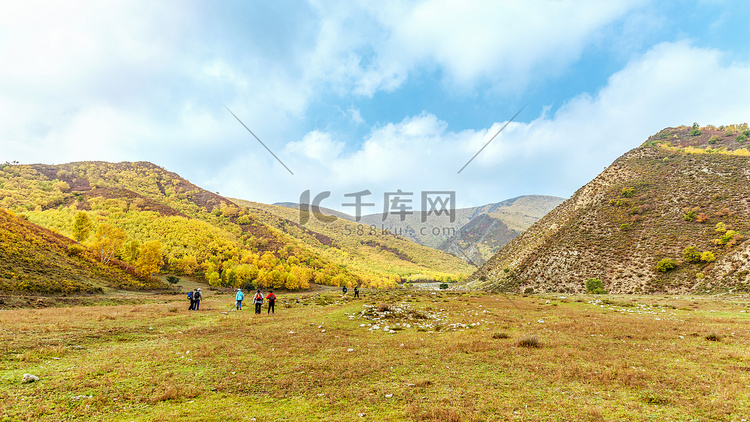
pixel 433 356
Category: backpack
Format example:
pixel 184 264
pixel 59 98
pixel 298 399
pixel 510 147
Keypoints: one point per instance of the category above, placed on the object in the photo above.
pixel 190 295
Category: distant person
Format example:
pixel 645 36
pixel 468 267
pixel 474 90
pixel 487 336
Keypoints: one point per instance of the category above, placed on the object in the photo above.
pixel 240 296
pixel 197 296
pixel 192 301
pixel 271 302
pixel 344 290
pixel 356 291
pixel 258 301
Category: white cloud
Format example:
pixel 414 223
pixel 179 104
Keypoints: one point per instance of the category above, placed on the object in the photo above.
pixel 145 81
pixel 672 84
pixel 500 42
pixel 317 146
pixel 356 116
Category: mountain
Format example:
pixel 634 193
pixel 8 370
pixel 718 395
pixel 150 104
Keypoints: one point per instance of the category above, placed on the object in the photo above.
pixel 193 231
pixel 476 233
pixel 37 260
pixel 370 250
pixel 670 216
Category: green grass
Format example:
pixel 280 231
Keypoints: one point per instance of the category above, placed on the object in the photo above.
pixel 629 358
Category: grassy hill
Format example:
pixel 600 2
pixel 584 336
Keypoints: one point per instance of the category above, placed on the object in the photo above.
pixel 191 231
pixel 368 250
pixel 37 260
pixel 669 216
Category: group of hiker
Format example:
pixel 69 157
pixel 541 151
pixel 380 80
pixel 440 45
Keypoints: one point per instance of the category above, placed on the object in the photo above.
pixel 257 301
pixel 196 296
pixel 356 291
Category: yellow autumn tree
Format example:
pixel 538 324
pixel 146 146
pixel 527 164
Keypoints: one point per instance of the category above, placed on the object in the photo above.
pixel 149 258
pixel 81 226
pixel 107 240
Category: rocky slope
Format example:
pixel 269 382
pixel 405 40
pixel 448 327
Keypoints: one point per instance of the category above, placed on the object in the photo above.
pixel 669 216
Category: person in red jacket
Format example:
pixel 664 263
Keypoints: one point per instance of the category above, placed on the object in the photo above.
pixel 271 302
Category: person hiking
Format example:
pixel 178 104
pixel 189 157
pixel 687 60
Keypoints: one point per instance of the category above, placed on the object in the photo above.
pixel 240 296
pixel 197 296
pixel 192 301
pixel 258 301
pixel 271 302
pixel 356 291
pixel 345 290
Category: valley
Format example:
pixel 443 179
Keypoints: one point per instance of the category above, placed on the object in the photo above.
pixel 393 354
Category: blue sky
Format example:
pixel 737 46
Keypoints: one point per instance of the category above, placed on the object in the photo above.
pixel 355 95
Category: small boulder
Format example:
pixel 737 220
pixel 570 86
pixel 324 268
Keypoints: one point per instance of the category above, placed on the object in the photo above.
pixel 29 378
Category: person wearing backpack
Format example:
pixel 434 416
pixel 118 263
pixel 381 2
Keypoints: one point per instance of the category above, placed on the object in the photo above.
pixel 192 301
pixel 197 296
pixel 356 291
pixel 240 296
pixel 271 302
pixel 258 301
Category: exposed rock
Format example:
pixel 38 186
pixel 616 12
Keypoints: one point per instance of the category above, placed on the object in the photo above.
pixel 27 378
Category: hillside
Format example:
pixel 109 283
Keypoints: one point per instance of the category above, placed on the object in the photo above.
pixel 36 260
pixel 670 216
pixel 370 251
pixel 185 229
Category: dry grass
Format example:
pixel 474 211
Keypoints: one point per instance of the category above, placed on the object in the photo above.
pixel 529 341
pixel 147 362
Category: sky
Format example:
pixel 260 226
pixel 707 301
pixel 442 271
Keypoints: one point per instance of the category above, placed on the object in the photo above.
pixel 354 96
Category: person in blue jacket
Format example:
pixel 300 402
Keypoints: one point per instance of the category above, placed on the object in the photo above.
pixel 240 296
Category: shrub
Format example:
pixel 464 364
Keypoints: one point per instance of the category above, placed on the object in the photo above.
pixel 708 256
pixel 627 192
pixel 528 291
pixel 595 286
pixel 712 140
pixel 728 133
pixel 721 227
pixel 728 238
pixel 624 227
pixel 695 132
pixel 702 217
pixel 500 336
pixel 691 254
pixel 243 220
pixel 75 250
pixel 713 336
pixel 531 341
pixel 171 279
pixel 741 138
pixel 443 286
pixel 666 264
pixel 690 216
pixel 700 276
